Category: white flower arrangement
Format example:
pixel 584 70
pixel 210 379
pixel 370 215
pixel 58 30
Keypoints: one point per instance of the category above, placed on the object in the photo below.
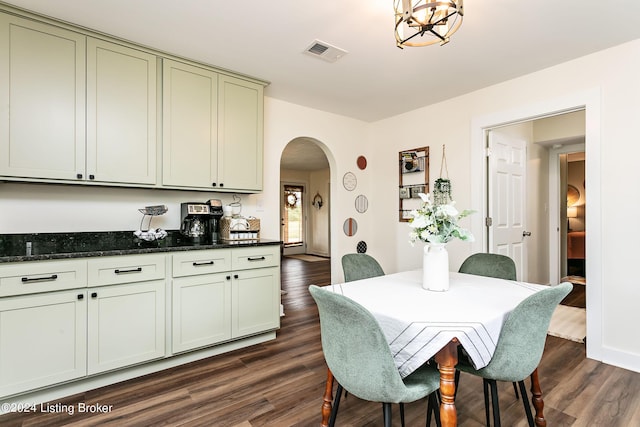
pixel 437 223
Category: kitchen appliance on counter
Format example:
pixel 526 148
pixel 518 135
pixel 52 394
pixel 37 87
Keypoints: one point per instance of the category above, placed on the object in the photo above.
pixel 196 221
pixel 215 214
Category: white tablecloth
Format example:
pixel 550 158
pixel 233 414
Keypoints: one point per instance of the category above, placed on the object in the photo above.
pixel 418 323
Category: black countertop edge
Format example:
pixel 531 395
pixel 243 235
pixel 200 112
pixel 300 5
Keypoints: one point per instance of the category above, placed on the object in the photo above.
pixel 52 246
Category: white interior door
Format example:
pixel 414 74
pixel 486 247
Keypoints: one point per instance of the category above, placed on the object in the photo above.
pixel 507 195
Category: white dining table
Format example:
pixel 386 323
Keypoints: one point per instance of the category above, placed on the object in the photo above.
pixel 420 325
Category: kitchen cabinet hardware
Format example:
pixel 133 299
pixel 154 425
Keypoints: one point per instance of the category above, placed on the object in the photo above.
pixel 228 277
pixel 80 296
pixel 39 279
pixel 213 184
pixel 197 264
pixel 94 295
pixel 221 185
pixel 261 258
pixel 235 276
pixel 79 176
pixel 133 270
pixel 92 177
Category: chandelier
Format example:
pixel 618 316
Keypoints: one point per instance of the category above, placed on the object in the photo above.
pixel 425 22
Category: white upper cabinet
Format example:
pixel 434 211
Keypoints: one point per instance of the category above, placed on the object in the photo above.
pixel 42 100
pixel 121 113
pixel 190 126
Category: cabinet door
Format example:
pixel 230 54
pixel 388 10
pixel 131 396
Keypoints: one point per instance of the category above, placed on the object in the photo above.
pixel 125 325
pixel 189 138
pixel 42 100
pixel 256 301
pixel 42 340
pixel 240 134
pixel 201 311
pixel 121 114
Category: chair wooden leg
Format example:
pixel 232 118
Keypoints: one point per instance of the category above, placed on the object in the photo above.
pixel 386 414
pixel 525 402
pixel 515 389
pixel 402 414
pixel 334 409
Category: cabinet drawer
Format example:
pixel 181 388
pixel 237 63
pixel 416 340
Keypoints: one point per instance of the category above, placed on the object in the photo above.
pixel 125 269
pixel 255 257
pixel 193 263
pixel 42 276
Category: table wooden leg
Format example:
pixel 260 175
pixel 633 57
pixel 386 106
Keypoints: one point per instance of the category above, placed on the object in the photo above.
pixel 327 399
pixel 536 399
pixel 447 359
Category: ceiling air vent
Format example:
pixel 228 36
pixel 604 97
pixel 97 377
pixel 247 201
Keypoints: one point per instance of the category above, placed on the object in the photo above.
pixel 325 51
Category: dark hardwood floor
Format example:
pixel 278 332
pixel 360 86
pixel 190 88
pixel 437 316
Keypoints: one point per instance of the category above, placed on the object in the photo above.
pixel 280 383
pixel 577 297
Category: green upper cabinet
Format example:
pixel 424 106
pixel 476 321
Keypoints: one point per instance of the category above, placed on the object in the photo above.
pixel 189 126
pixel 81 107
pixel 75 108
pixel 121 113
pixel 42 100
pixel 212 129
pixel 240 133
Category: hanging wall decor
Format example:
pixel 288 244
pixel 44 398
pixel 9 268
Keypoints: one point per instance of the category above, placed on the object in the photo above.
pixel 317 201
pixel 362 162
pixel 442 186
pixel 349 181
pixel 350 227
pixel 362 203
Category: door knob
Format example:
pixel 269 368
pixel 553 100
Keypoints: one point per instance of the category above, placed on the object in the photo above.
pixel 526 233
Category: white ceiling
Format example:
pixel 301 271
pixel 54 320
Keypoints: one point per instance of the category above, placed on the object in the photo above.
pixel 498 40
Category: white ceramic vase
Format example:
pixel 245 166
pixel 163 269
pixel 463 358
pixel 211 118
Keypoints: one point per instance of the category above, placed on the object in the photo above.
pixel 435 267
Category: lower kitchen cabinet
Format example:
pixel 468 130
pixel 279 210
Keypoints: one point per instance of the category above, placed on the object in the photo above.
pixel 67 320
pixel 126 325
pixel 256 301
pixel 201 311
pixel 42 340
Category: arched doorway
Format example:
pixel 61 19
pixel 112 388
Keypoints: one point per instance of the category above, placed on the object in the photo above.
pixel 305 198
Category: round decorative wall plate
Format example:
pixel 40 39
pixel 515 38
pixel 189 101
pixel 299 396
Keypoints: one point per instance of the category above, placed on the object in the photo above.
pixel 362 162
pixel 349 181
pixel 362 203
pixel 350 227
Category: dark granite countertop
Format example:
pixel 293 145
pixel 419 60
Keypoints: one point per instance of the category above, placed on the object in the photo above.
pixel 45 246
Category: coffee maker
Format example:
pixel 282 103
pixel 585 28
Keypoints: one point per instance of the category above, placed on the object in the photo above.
pixel 195 221
pixel 215 214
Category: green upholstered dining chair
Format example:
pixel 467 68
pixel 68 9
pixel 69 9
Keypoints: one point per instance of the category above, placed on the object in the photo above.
pixel 519 348
pixel 359 357
pixel 489 265
pixel 360 266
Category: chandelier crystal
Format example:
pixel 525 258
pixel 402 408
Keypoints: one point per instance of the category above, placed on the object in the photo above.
pixel 424 22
